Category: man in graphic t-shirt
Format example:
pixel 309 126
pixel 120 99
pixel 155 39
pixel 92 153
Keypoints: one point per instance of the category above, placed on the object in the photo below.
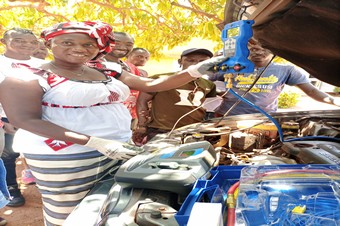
pixel 266 91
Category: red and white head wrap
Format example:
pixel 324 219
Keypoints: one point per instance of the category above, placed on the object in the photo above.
pixel 100 31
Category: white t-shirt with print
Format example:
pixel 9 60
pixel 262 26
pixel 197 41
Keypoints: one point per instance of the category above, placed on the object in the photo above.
pixel 7 62
pixel 7 68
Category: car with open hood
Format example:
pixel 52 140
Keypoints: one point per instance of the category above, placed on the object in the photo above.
pixel 279 155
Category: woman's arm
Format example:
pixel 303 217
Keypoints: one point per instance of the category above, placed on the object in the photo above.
pixel 22 103
pixel 171 82
pixel 155 85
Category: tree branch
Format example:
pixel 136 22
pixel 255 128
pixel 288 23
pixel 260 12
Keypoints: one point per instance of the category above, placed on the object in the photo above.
pixel 39 7
pixel 121 10
pixel 198 11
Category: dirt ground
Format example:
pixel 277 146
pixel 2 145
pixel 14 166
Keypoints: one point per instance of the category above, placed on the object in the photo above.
pixel 29 214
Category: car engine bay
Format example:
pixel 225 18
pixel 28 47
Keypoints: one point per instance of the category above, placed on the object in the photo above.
pixel 309 138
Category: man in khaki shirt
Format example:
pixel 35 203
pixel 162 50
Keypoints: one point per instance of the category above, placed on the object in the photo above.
pixel 160 112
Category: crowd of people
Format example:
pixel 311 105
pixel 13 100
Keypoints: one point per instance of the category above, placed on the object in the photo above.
pixel 76 110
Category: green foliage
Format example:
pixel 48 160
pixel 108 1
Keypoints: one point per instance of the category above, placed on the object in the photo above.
pixel 336 89
pixel 156 25
pixel 288 99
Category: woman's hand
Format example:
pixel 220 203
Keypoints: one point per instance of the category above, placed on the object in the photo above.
pixel 9 128
pixel 114 149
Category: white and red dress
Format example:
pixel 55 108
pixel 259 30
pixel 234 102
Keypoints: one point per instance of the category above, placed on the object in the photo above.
pixel 66 171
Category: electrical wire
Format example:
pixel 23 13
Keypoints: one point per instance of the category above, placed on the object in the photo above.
pixel 188 113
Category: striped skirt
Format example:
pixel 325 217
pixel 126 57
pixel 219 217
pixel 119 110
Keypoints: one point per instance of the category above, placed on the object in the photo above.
pixel 64 180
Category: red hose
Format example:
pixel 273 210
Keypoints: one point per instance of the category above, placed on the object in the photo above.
pixel 231 217
pixel 231 204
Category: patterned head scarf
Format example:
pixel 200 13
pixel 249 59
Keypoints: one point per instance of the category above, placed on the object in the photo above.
pixel 102 32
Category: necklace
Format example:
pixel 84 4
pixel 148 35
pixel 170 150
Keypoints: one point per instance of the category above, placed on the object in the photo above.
pixel 75 73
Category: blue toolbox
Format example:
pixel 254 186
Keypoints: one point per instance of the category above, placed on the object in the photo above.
pixel 271 195
pixel 211 190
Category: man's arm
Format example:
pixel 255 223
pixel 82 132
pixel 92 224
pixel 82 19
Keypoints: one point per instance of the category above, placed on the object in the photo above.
pixel 318 95
pixel 143 103
pixel 143 114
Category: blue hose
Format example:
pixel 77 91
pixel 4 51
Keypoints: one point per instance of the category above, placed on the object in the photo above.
pixel 278 125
